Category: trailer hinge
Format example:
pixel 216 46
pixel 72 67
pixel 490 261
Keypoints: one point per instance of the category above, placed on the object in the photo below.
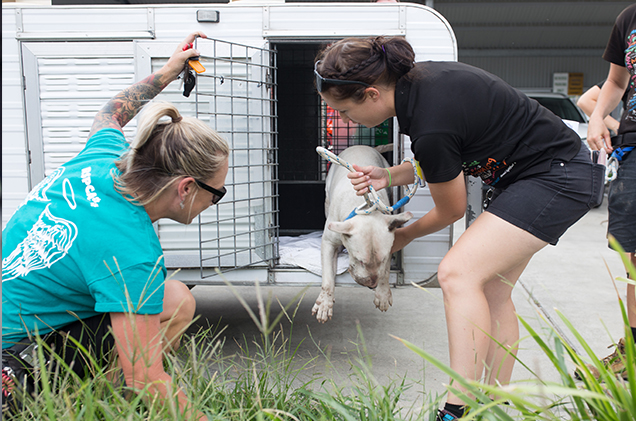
pixel 265 18
pixel 151 21
pixel 29 157
pixel 18 21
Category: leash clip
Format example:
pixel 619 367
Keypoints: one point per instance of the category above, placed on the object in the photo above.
pixel 611 170
pixel 373 202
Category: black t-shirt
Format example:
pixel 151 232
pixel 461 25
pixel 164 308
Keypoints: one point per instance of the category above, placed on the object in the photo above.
pixel 461 118
pixel 621 50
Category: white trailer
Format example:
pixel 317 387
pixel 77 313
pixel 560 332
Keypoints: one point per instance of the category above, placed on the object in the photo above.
pixel 62 63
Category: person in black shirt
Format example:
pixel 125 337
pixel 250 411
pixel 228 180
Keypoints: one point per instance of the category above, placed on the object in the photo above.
pixel 464 121
pixel 621 204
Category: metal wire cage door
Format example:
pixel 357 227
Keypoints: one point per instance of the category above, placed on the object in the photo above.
pixel 236 96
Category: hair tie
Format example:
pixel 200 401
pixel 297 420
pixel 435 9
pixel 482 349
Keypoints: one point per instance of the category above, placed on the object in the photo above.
pixel 178 119
pixel 377 46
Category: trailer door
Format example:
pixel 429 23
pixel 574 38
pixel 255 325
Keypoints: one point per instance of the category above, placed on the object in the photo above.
pixel 66 83
pixel 236 96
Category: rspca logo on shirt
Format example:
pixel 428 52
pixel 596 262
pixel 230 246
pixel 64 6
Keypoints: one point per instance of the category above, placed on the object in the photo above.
pixel 91 195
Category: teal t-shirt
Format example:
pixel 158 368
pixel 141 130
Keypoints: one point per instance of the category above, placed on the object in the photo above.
pixel 76 248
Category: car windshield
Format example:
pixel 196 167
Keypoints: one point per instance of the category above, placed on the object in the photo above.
pixel 562 107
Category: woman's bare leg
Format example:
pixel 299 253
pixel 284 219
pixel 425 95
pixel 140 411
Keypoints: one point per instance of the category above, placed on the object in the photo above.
pixel 504 326
pixel 179 306
pixel 490 247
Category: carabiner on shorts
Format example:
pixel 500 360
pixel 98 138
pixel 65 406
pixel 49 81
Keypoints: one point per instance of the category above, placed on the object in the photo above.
pixel 611 170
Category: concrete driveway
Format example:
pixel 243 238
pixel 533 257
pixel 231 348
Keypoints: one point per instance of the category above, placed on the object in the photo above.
pixel 572 277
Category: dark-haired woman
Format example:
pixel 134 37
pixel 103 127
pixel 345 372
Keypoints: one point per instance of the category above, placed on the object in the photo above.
pixel 80 257
pixel 464 121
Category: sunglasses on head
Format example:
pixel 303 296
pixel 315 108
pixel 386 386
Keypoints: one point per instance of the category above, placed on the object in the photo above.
pixel 217 195
pixel 322 80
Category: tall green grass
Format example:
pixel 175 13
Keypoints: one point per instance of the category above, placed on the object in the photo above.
pixel 267 380
pixel 607 398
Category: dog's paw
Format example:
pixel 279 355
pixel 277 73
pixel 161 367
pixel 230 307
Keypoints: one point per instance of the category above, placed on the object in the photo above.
pixel 383 299
pixel 323 309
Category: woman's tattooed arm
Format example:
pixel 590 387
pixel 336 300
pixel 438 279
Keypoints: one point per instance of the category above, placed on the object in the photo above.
pixel 126 104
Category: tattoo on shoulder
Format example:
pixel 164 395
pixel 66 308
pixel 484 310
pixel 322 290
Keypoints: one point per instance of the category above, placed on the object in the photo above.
pixel 124 106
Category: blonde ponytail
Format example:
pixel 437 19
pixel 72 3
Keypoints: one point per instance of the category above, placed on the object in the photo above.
pixel 165 150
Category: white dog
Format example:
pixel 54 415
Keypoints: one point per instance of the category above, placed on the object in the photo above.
pixel 367 238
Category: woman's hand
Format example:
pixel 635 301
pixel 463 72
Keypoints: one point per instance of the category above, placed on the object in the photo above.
pixel 138 341
pixel 366 176
pixel 598 136
pixel 177 61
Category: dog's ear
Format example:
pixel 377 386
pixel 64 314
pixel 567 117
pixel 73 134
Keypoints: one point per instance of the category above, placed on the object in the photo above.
pixel 396 221
pixel 341 227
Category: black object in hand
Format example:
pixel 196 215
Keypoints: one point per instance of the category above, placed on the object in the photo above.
pixel 189 83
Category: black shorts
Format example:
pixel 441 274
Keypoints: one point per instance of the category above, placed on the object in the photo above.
pixel 93 334
pixel 621 204
pixel 547 204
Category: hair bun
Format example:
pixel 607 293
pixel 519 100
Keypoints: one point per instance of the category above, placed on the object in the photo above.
pixel 177 119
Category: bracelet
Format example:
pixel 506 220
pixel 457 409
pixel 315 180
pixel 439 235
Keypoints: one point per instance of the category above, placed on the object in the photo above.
pixel 387 170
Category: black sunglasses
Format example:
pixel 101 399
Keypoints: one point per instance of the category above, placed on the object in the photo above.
pixel 321 80
pixel 217 195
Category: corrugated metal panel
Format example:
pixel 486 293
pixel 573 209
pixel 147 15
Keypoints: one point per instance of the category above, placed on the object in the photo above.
pixel 534 37
pixel 525 42
pixel 527 13
pixel 536 72
pixel 539 25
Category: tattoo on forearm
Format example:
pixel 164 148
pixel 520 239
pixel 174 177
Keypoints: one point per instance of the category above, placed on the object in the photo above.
pixel 126 104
